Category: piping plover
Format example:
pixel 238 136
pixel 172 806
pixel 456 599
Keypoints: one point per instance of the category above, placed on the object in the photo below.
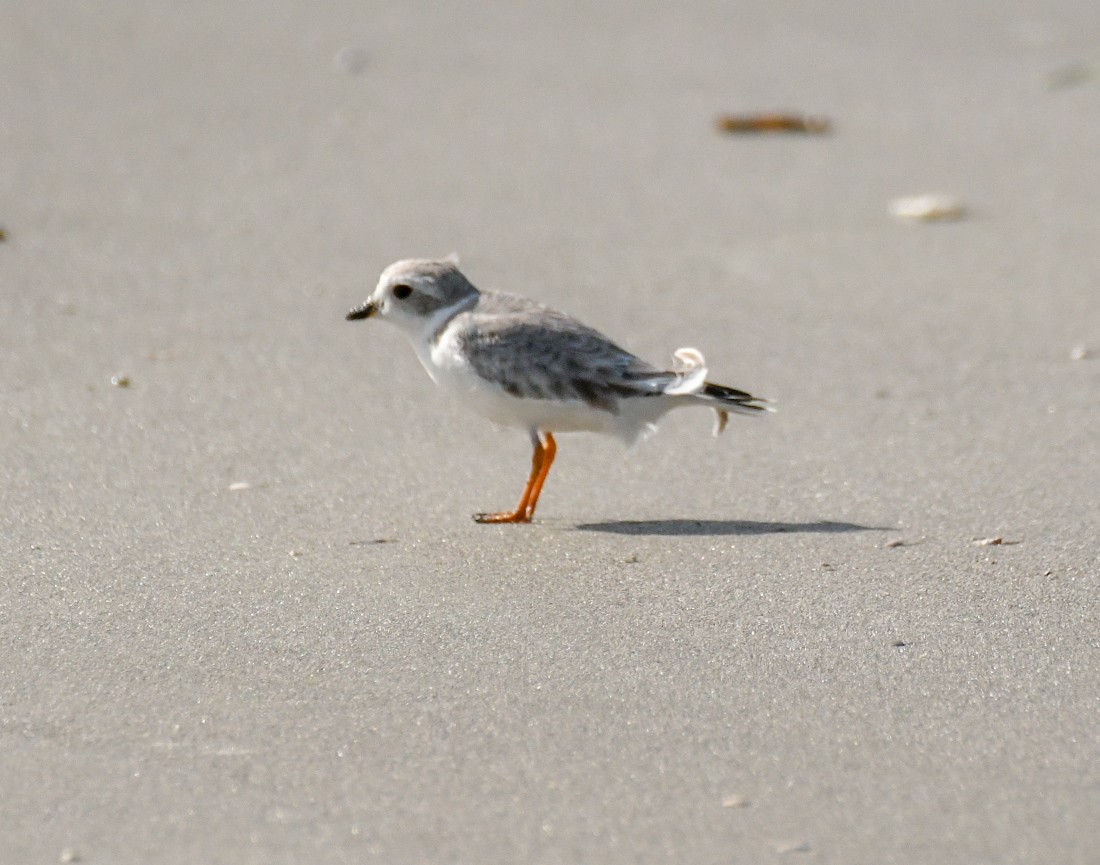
pixel 524 365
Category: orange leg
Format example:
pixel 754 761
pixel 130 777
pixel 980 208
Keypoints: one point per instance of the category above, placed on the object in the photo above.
pixel 540 467
pixel 550 450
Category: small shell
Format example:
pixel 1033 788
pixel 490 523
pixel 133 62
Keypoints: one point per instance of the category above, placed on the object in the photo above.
pixel 930 207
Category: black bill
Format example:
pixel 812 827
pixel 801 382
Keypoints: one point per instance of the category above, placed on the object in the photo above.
pixel 365 311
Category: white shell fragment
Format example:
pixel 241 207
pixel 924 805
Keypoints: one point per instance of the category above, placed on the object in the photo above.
pixel 930 207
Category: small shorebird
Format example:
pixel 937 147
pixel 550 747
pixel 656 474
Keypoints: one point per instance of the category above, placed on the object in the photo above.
pixel 523 365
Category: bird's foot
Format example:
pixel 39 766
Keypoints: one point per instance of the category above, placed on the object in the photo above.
pixel 519 516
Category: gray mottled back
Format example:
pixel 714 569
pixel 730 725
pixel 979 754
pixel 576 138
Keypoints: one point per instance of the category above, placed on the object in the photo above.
pixel 535 352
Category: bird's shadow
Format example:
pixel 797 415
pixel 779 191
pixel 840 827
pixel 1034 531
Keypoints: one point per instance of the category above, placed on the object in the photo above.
pixel 688 528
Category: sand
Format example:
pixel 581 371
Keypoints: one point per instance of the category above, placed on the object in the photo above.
pixel 244 613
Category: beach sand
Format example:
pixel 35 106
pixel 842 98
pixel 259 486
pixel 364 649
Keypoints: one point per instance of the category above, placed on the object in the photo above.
pixel 244 613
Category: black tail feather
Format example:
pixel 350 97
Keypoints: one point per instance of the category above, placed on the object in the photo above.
pixel 734 398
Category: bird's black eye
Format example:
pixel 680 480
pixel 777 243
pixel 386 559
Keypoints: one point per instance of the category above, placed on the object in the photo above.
pixel 402 291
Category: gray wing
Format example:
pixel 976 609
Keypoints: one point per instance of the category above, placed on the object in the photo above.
pixel 536 353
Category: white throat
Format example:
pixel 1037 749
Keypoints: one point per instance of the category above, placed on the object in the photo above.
pixel 422 338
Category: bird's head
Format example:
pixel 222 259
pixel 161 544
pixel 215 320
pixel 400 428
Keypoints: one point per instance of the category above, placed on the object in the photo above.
pixel 418 294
